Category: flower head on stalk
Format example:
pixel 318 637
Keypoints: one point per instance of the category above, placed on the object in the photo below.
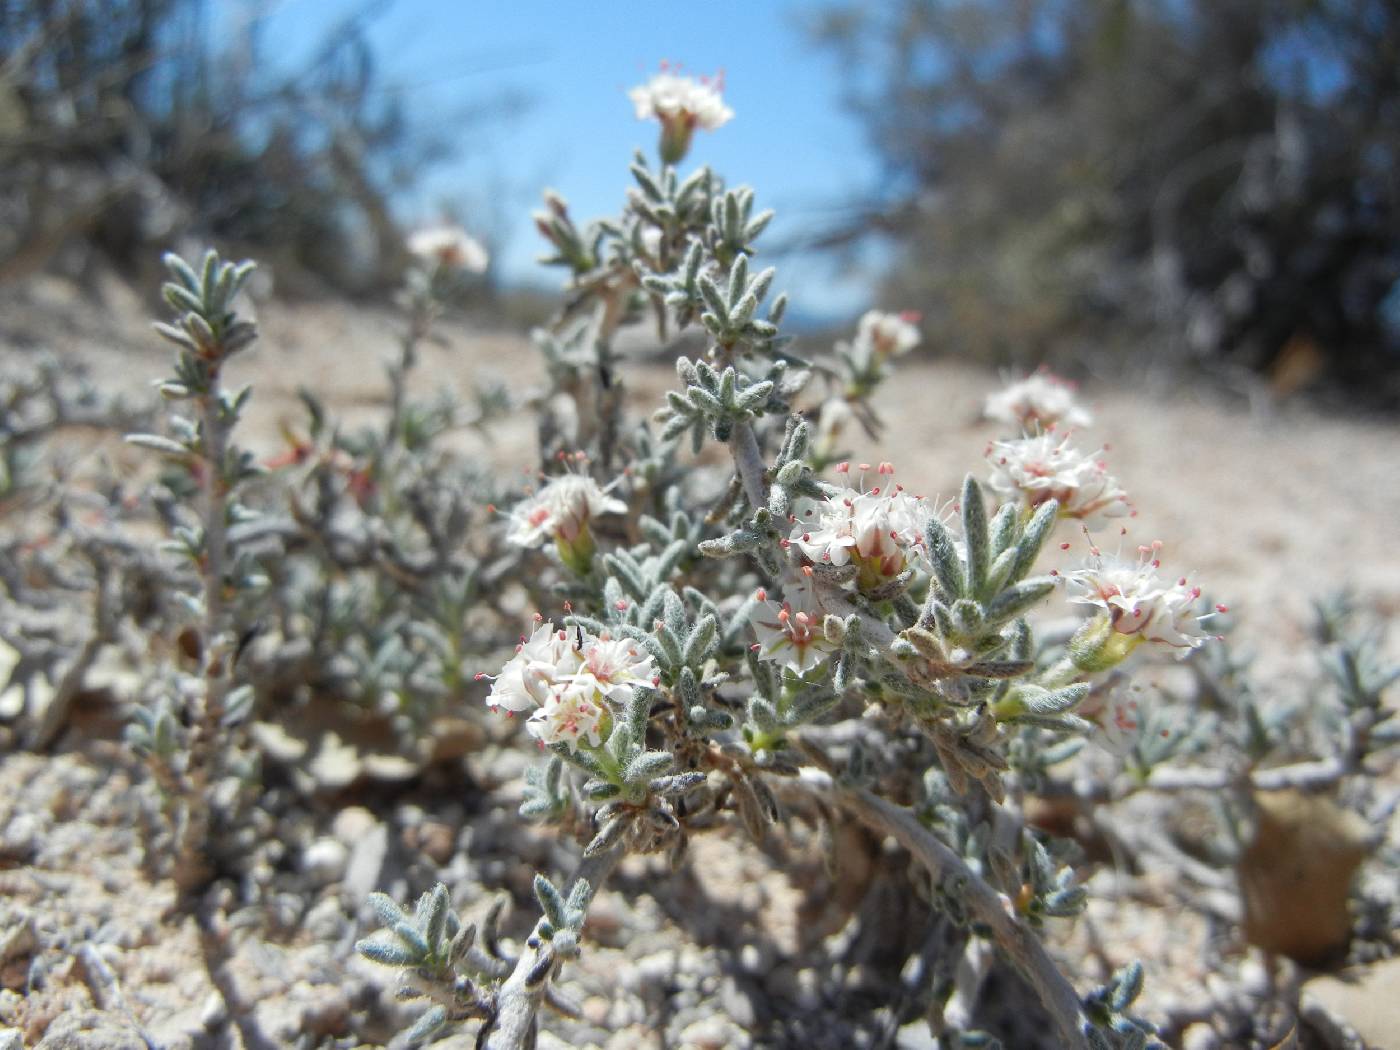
pixel 1136 604
pixel 562 510
pixel 448 248
pixel 567 679
pixel 681 104
pixel 1041 401
pixel 879 530
pixel 1043 467
pixel 881 336
pixel 790 633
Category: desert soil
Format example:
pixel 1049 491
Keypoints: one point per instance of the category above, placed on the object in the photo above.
pixel 1265 509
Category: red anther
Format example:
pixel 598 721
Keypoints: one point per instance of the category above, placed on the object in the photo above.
pixel 807 571
pixel 875 491
pixel 479 676
pixel 1054 572
pixel 865 466
pixel 886 467
pixel 912 316
pixel 784 614
pixel 490 508
pixel 755 647
pixel 563 635
pixel 1064 546
pixel 1181 582
pixel 539 617
pixel 1195 592
pixel 1222 608
pixel 762 595
pixel 843 468
pixel 806 537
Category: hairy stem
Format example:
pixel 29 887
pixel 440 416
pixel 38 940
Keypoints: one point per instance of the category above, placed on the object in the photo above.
pixel 518 998
pixel 986 905
pixel 748 460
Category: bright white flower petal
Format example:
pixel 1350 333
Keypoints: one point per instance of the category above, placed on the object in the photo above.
pixel 671 97
pixel 450 247
pixel 560 510
pixel 882 529
pixel 1041 401
pixel 1139 602
pixel 884 335
pixel 790 633
pixel 571 715
pixel 1043 467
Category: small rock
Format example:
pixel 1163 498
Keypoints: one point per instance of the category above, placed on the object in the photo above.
pixel 215 1011
pixel 713 1033
pixel 21 837
pixel 736 1003
pixel 1295 874
pixel 352 824
pixel 1200 1036
pixel 595 1010
pixel 85 1029
pixel 324 861
pixel 1364 1002
pixel 436 840
pixel 366 864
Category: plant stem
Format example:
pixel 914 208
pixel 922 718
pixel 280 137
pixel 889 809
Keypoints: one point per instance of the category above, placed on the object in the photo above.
pixel 748 460
pixel 518 998
pixel 986 905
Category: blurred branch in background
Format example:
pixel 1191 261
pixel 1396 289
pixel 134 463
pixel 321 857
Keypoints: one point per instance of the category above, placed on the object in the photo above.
pixel 128 123
pixel 1202 181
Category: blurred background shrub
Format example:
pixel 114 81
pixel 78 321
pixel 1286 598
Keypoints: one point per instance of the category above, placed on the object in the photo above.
pixel 1195 179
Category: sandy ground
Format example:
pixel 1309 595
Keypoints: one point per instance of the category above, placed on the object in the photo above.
pixel 1266 511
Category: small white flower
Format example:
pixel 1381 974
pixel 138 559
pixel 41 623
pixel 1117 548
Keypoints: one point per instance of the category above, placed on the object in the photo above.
pixel 1120 722
pixel 1041 401
pixel 1139 603
pixel 571 715
pixel 612 667
pixel 568 678
pixel 1042 467
pixel 561 510
pixel 540 662
pixel 449 247
pixel 881 530
pixel 791 633
pixel 672 98
pixel 883 335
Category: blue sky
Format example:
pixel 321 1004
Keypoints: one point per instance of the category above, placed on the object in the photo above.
pixel 791 138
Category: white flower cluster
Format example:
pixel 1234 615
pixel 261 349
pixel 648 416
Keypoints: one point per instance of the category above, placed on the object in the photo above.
pixel 1042 401
pixel 881 336
pixel 880 530
pixel 449 247
pixel 1043 467
pixel 672 98
pixel 568 682
pixel 790 633
pixel 561 510
pixel 1139 602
